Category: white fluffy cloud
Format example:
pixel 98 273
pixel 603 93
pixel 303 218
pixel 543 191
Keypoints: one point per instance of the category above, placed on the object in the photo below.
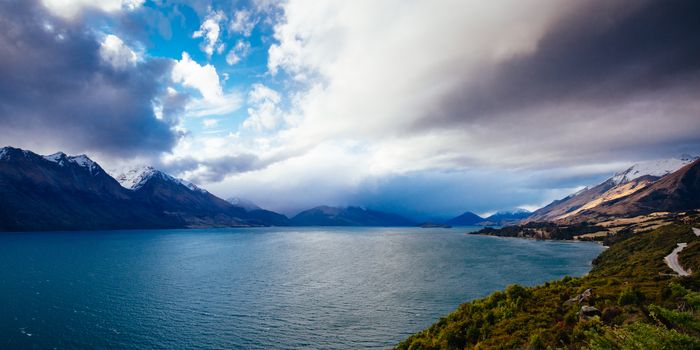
pixel 69 8
pixel 205 80
pixel 116 53
pixel 263 111
pixel 238 52
pixel 368 70
pixel 242 23
pixel 374 69
pixel 210 30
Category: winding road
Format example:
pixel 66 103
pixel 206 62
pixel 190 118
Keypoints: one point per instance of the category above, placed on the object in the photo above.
pixel 672 259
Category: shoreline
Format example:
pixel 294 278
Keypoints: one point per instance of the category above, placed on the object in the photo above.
pixel 614 300
pixel 540 239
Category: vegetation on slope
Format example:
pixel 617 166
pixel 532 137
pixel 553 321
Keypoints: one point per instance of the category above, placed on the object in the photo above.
pixel 637 304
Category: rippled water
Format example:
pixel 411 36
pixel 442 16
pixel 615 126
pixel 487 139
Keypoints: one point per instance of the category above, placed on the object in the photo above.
pixel 255 288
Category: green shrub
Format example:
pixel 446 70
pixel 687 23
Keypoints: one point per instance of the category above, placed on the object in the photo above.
pixel 631 295
pixel 536 342
pixel 641 336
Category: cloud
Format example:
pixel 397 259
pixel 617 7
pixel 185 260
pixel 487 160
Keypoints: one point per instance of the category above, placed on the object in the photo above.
pixel 116 53
pixel 213 169
pixel 519 87
pixel 364 102
pixel 70 8
pixel 238 52
pixel 264 112
pixel 56 93
pixel 242 23
pixel 204 79
pixel 561 80
pixel 637 53
pixel 210 30
pixel 210 123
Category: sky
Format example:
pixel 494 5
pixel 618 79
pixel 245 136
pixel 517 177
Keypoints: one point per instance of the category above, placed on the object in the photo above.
pixel 424 108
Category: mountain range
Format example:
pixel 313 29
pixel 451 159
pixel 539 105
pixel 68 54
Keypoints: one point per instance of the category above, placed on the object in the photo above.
pixel 62 192
pixel 658 186
pixel 500 218
pixel 350 216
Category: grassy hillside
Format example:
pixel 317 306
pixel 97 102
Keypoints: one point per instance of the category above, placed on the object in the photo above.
pixel 638 305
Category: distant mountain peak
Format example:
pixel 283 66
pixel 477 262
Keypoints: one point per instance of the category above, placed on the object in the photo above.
pixel 656 168
pixel 81 160
pixel 465 219
pixel 348 216
pixel 135 178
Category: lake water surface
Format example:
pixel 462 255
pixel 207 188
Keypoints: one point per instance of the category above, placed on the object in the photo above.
pixel 258 288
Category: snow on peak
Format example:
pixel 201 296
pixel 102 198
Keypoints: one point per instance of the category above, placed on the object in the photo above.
pixel 137 177
pixel 82 160
pixel 656 168
pixel 187 184
pixel 3 152
pixel 58 157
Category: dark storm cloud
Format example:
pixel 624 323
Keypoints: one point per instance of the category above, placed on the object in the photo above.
pixel 601 55
pixel 602 52
pixel 55 90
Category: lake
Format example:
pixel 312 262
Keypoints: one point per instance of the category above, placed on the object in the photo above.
pixel 256 288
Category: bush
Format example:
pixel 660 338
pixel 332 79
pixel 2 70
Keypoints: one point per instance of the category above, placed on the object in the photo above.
pixel 514 291
pixel 641 336
pixel 631 295
pixel 536 342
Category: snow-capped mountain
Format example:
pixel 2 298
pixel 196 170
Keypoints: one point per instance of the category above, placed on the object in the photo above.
pixel 82 160
pixel 656 168
pixel 618 194
pixel 62 192
pixel 202 208
pixel 135 178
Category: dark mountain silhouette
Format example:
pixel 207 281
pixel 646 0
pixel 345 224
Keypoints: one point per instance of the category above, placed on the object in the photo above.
pixel 350 216
pixel 466 219
pixel 60 192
